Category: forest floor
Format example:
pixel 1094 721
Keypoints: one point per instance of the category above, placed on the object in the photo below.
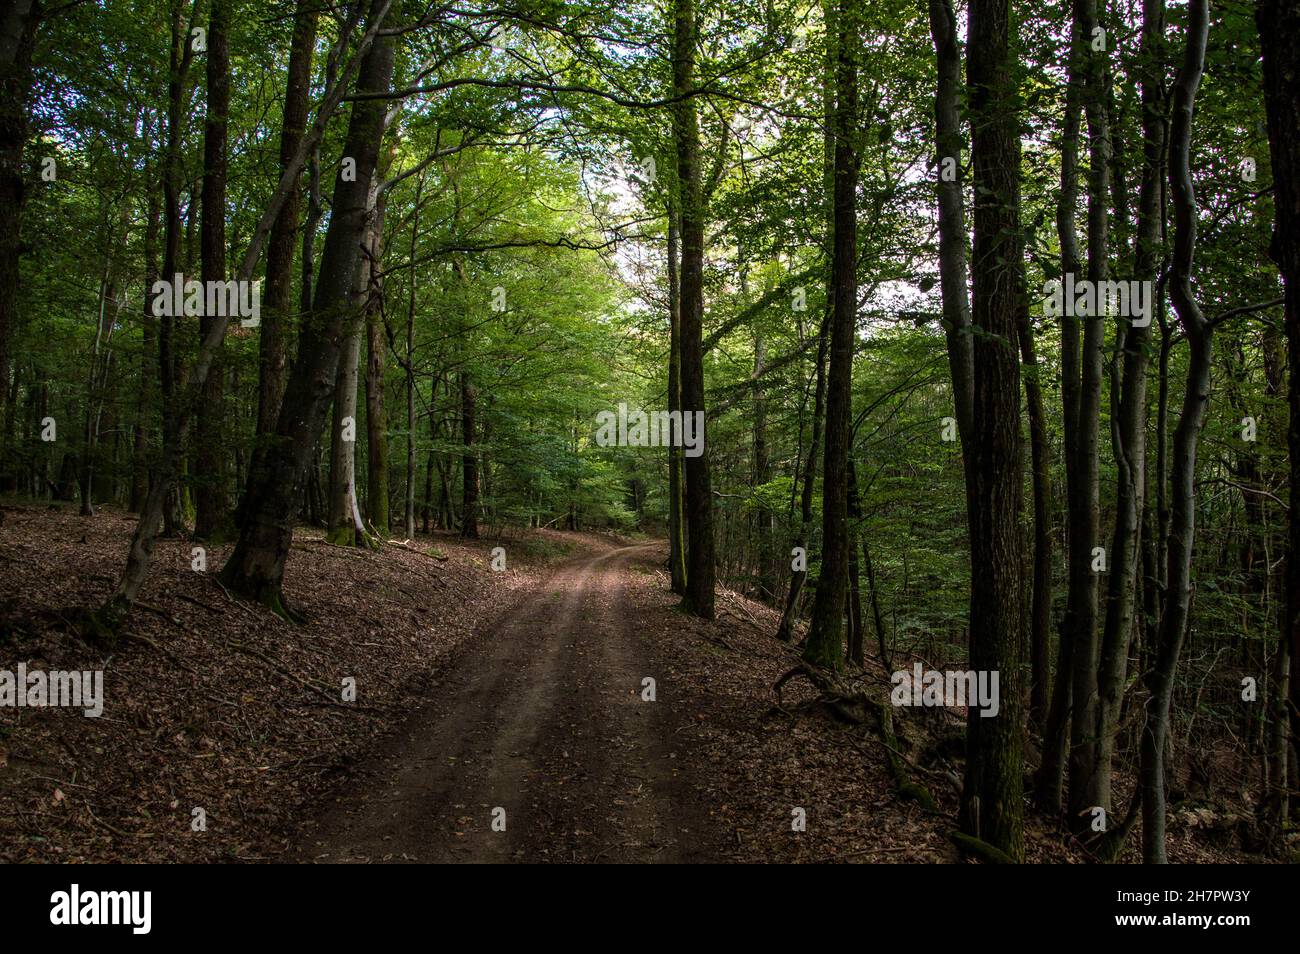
pixel 516 696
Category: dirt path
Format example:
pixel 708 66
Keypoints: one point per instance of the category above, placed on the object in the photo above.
pixel 543 717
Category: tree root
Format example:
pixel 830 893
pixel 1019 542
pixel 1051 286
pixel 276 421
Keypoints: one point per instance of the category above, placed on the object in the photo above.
pixel 102 627
pixel 1108 845
pixel 908 790
pixel 980 849
pixel 845 701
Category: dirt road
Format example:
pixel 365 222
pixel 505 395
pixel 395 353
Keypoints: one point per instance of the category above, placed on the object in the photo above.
pixel 542 717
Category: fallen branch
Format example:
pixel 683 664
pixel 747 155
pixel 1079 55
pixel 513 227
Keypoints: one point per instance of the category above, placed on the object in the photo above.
pixel 402 545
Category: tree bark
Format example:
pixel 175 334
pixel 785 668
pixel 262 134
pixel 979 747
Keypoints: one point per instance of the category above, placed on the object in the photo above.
pixel 19 22
pixel 1040 452
pixel 676 505
pixel 410 374
pixel 991 803
pixel 272 350
pixel 825 645
pixel 1196 397
pixel 469 457
pixel 210 496
pixel 1129 417
pixel 144 429
pixel 1279 33
pixel 1051 776
pixel 700 569
pixel 785 629
pixel 376 410
pixel 1085 509
pixel 764 529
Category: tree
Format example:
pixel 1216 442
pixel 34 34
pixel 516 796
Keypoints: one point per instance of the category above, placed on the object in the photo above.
pixel 1279 36
pixel 256 567
pixel 1196 399
pixel 18 25
pixel 825 645
pixel 700 568
pixel 991 806
pixel 210 498
pixel 272 337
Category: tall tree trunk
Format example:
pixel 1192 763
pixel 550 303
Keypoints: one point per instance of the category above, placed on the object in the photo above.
pixel 344 520
pixel 376 410
pixel 991 803
pixel 210 497
pixel 144 430
pixel 952 222
pixel 825 646
pixel 100 361
pixel 785 630
pixel 1279 32
pixel 676 508
pixel 1085 523
pixel 19 21
pixel 857 637
pixel 762 475
pixel 256 568
pixel 1051 776
pixel 469 456
pixel 1196 398
pixel 1129 416
pixel 700 569
pixel 1040 451
pixel 346 527
pixel 410 374
pixel 271 344
pixel 182 52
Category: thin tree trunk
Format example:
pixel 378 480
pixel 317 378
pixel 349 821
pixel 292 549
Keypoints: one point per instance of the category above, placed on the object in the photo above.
pixel 857 638
pixel 1279 32
pixel 1196 397
pixel 144 435
pixel 1051 776
pixel 1040 613
pixel 785 630
pixel 211 494
pixel 19 21
pixel 1085 525
pixel 676 505
pixel 1129 414
pixel 825 645
pixel 376 410
pixel 469 457
pixel 762 475
pixel 410 373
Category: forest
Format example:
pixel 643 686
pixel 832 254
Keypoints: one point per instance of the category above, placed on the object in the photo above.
pixel 671 430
